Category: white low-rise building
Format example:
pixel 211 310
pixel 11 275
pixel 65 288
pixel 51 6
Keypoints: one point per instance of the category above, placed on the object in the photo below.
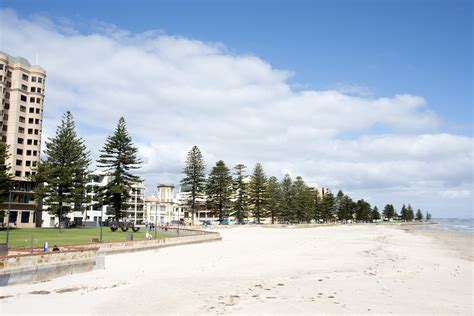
pixel 92 214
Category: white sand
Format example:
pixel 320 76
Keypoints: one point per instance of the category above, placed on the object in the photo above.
pixel 357 269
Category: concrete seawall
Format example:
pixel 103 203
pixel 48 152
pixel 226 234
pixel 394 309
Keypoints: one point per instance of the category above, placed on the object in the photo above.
pixel 40 267
pixel 35 267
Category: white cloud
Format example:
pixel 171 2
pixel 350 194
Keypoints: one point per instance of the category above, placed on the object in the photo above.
pixel 176 92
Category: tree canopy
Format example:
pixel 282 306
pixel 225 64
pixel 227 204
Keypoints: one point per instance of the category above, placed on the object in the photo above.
pixel 219 190
pixel 62 174
pixel 194 180
pixel 118 157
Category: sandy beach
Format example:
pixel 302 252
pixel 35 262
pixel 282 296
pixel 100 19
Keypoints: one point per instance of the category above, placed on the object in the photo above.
pixel 341 269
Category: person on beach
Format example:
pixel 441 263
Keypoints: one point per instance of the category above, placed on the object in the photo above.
pixel 55 248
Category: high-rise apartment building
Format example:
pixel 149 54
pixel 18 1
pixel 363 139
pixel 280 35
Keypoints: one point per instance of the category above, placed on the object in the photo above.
pixel 22 95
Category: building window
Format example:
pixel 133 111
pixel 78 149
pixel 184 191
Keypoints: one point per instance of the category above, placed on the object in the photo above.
pixel 33 79
pixel 28 152
pixel 21 130
pixel 29 142
pixel 35 153
pixel 9 73
pixel 33 89
pixel 23 98
pixel 19 151
pixel 18 162
pixel 5 128
pixel 30 131
pixel 17 173
pixel 22 108
pixel 38 100
pixel 28 163
pixel 34 164
pixel 40 80
pixel 35 142
pixel 19 140
pixel 37 111
pixel 24 87
pixel 5 117
pixel 24 77
pixel 27 173
pixel 22 119
pixel 37 121
pixel 30 120
pixel 38 90
pixel 36 131
pixel 25 217
pixel 7 106
pixel 32 100
pixel 1 66
pixel 31 110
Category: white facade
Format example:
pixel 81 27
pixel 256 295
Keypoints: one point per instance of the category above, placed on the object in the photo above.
pixel 92 214
pixel 163 208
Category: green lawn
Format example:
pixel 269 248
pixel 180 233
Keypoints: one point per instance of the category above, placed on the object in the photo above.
pixel 21 237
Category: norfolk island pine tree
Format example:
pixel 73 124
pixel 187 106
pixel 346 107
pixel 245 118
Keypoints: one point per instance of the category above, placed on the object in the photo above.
pixel 61 176
pixel 118 158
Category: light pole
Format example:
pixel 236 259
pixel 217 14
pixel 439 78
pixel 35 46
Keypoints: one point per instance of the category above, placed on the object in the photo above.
pixel 156 215
pixel 8 216
pixel 101 220
pixel 179 220
pixel 135 219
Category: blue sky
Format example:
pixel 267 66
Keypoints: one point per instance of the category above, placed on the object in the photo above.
pixel 416 47
pixel 371 97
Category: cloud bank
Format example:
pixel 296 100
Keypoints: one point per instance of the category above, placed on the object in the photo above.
pixel 176 92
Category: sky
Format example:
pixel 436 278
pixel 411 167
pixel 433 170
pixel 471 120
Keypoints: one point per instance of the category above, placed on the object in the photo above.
pixel 371 97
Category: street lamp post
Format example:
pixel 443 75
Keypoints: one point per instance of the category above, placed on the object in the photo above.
pixel 101 221
pixel 135 219
pixel 8 216
pixel 179 220
pixel 60 216
pixel 156 215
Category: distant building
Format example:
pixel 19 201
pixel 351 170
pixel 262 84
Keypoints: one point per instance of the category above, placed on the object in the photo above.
pixel 22 99
pixel 321 190
pixel 91 215
pixel 163 208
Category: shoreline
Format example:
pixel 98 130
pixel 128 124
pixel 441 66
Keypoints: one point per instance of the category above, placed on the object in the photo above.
pixel 461 244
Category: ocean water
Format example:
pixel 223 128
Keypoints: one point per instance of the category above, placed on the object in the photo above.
pixel 461 225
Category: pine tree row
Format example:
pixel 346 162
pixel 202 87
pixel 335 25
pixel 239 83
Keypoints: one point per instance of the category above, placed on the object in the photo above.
pixel 61 177
pixel 234 194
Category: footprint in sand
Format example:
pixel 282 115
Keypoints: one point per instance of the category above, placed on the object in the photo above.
pixel 42 292
pixel 68 289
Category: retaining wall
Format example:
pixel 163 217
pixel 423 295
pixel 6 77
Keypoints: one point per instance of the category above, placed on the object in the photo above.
pixel 34 267
pixel 30 268
pixel 185 238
